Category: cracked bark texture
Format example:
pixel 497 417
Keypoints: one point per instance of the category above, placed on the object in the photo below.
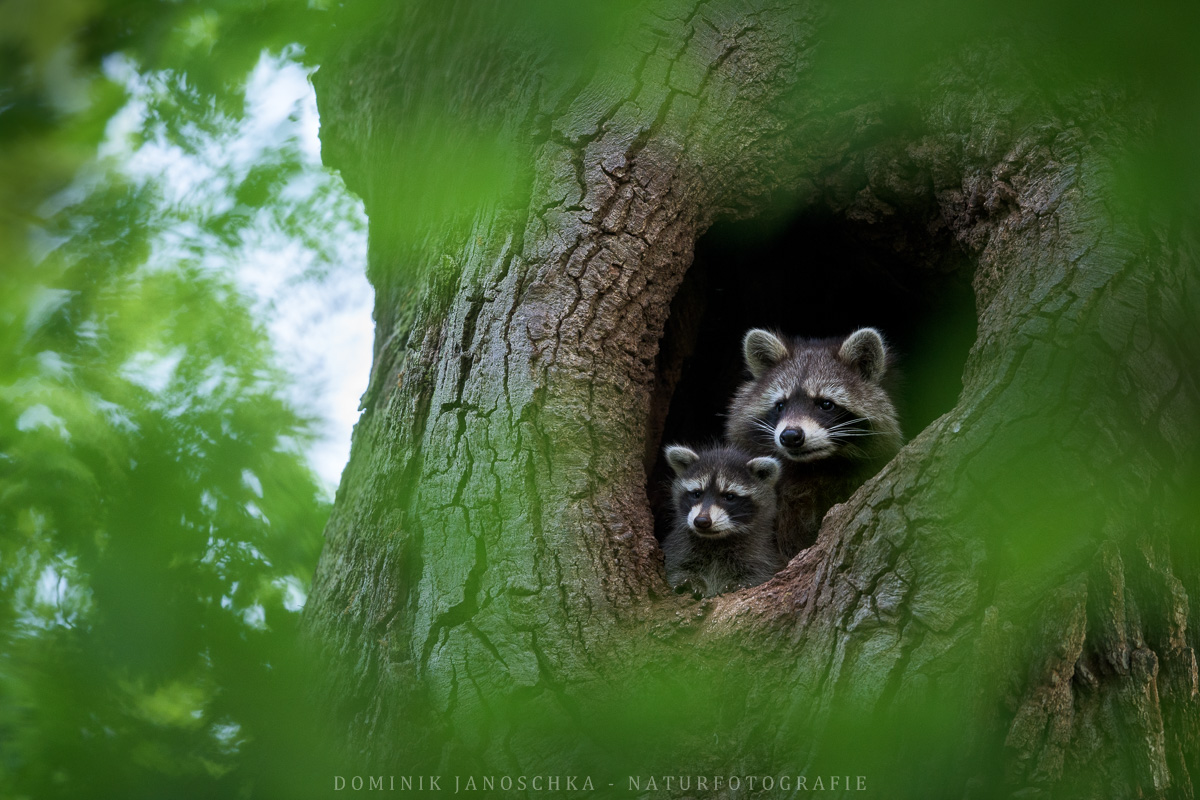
pixel 1023 567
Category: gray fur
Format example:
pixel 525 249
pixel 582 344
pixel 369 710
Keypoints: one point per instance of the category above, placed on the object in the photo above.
pixel 864 350
pixel 762 349
pixel 765 468
pixel 747 554
pixel 841 448
pixel 680 458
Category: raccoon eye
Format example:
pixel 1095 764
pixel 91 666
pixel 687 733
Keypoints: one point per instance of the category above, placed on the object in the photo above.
pixel 780 405
pixel 825 404
pixel 730 497
pixel 695 494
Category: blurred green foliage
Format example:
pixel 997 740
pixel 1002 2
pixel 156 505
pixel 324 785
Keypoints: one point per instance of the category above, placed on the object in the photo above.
pixel 159 521
pixel 1135 64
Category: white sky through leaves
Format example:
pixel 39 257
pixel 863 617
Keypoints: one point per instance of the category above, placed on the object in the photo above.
pixel 298 256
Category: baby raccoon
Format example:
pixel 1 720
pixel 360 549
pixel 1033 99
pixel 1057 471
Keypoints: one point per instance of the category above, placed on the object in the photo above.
pixel 819 406
pixel 723 513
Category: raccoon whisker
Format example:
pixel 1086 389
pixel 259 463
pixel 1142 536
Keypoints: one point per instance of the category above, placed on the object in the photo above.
pixel 847 422
pixel 841 429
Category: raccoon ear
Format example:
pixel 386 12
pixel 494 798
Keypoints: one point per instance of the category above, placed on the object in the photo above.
pixel 680 457
pixel 766 469
pixel 762 350
pixel 864 350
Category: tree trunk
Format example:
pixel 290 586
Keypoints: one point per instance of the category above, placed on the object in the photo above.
pixel 1004 609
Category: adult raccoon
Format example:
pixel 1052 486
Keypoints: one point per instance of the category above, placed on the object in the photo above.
pixel 819 405
pixel 722 534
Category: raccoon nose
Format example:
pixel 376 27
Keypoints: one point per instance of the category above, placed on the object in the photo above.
pixel 703 522
pixel 792 437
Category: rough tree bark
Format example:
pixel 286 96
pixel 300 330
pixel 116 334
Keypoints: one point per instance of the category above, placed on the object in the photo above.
pixel 1009 601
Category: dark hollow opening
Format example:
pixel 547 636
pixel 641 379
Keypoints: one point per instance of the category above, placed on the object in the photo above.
pixel 813 275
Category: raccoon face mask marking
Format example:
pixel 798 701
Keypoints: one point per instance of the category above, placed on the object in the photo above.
pixel 723 510
pixel 720 492
pixel 814 399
